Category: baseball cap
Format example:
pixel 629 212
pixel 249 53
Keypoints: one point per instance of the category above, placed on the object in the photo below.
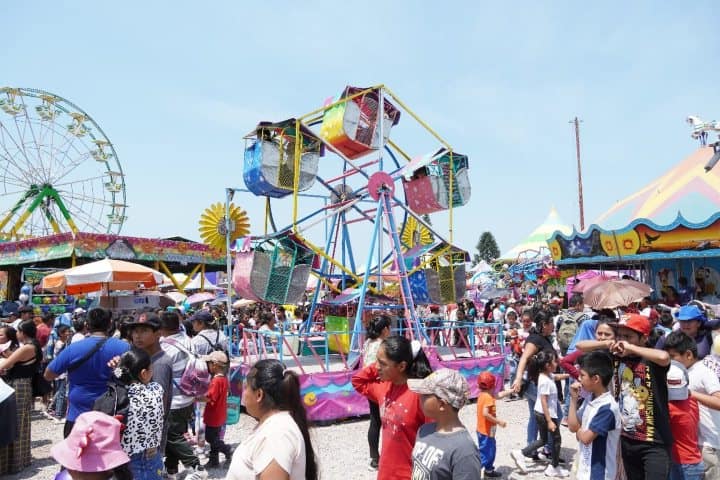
pixel 25 309
pixel 677 381
pixel 216 357
pixel 635 322
pixel 486 381
pixel 203 316
pixel 689 312
pixel 147 319
pixel 446 384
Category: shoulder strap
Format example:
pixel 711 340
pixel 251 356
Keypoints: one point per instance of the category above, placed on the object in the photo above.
pixel 98 346
pixel 207 340
pixel 174 343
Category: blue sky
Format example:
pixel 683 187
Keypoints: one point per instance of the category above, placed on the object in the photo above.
pixel 176 85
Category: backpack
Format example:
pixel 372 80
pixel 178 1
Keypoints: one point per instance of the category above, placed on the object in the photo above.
pixel 195 379
pixel 114 402
pixel 567 328
pixel 215 346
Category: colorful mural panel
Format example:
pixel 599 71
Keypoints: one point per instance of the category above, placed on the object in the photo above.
pixel 98 246
pixel 640 240
pixel 329 396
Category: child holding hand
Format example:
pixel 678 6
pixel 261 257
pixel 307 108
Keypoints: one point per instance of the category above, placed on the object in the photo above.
pixel 215 414
pixel 487 421
pixel 546 413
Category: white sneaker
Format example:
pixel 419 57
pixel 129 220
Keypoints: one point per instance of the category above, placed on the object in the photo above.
pixel 556 472
pixel 519 458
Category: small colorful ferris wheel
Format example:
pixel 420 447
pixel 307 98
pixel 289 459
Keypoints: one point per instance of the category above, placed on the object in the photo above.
pixel 58 170
pixel 379 199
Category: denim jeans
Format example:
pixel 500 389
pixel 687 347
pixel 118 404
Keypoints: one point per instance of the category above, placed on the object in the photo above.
pixel 693 471
pixel 532 428
pixel 146 467
pixel 487 449
pixel 60 398
pixel 512 361
pixel 566 399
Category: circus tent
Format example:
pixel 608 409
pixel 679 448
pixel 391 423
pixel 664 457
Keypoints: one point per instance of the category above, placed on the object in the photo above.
pixel 685 190
pixel 537 240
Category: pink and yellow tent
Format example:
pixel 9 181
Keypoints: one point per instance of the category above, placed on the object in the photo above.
pixel 686 189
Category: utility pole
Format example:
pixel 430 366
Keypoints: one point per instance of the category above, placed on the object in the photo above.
pixel 576 121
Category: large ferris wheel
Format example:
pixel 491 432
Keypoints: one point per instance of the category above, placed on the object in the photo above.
pixel 58 170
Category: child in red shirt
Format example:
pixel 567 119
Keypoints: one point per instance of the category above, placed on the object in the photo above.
pixel 385 383
pixel 687 462
pixel 216 408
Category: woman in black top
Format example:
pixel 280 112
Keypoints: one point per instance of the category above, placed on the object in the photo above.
pixel 18 370
pixel 539 339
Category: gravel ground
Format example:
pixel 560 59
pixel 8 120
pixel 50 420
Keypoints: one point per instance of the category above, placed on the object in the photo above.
pixel 341 448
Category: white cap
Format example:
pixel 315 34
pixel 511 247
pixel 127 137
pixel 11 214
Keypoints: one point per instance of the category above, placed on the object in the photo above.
pixel 677 381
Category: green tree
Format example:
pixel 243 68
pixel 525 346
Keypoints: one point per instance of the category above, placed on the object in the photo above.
pixel 487 249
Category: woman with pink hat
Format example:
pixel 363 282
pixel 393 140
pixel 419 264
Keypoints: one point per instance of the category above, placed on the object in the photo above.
pixel 92 450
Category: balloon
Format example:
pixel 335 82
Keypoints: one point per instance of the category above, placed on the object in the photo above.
pixel 37 300
pixel 47 300
pixel 37 288
pixel 23 297
pixel 26 289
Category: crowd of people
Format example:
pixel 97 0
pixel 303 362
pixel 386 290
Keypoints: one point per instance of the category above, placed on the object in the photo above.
pixel 639 387
pixel 151 366
pixel 643 393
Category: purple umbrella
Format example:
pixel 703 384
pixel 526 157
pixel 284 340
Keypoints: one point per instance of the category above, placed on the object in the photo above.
pixel 200 298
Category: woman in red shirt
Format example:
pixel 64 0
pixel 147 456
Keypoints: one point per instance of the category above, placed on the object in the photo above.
pixel 386 383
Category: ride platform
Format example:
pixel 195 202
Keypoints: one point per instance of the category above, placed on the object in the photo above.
pixel 325 375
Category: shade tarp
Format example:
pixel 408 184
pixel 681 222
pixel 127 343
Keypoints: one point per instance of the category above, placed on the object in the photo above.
pixel 196 282
pixel 109 274
pixel 537 240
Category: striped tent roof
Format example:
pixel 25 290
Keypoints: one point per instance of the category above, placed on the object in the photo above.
pixel 538 238
pixel 685 189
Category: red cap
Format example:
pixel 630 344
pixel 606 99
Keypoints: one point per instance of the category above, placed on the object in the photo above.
pixel 636 322
pixel 486 381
